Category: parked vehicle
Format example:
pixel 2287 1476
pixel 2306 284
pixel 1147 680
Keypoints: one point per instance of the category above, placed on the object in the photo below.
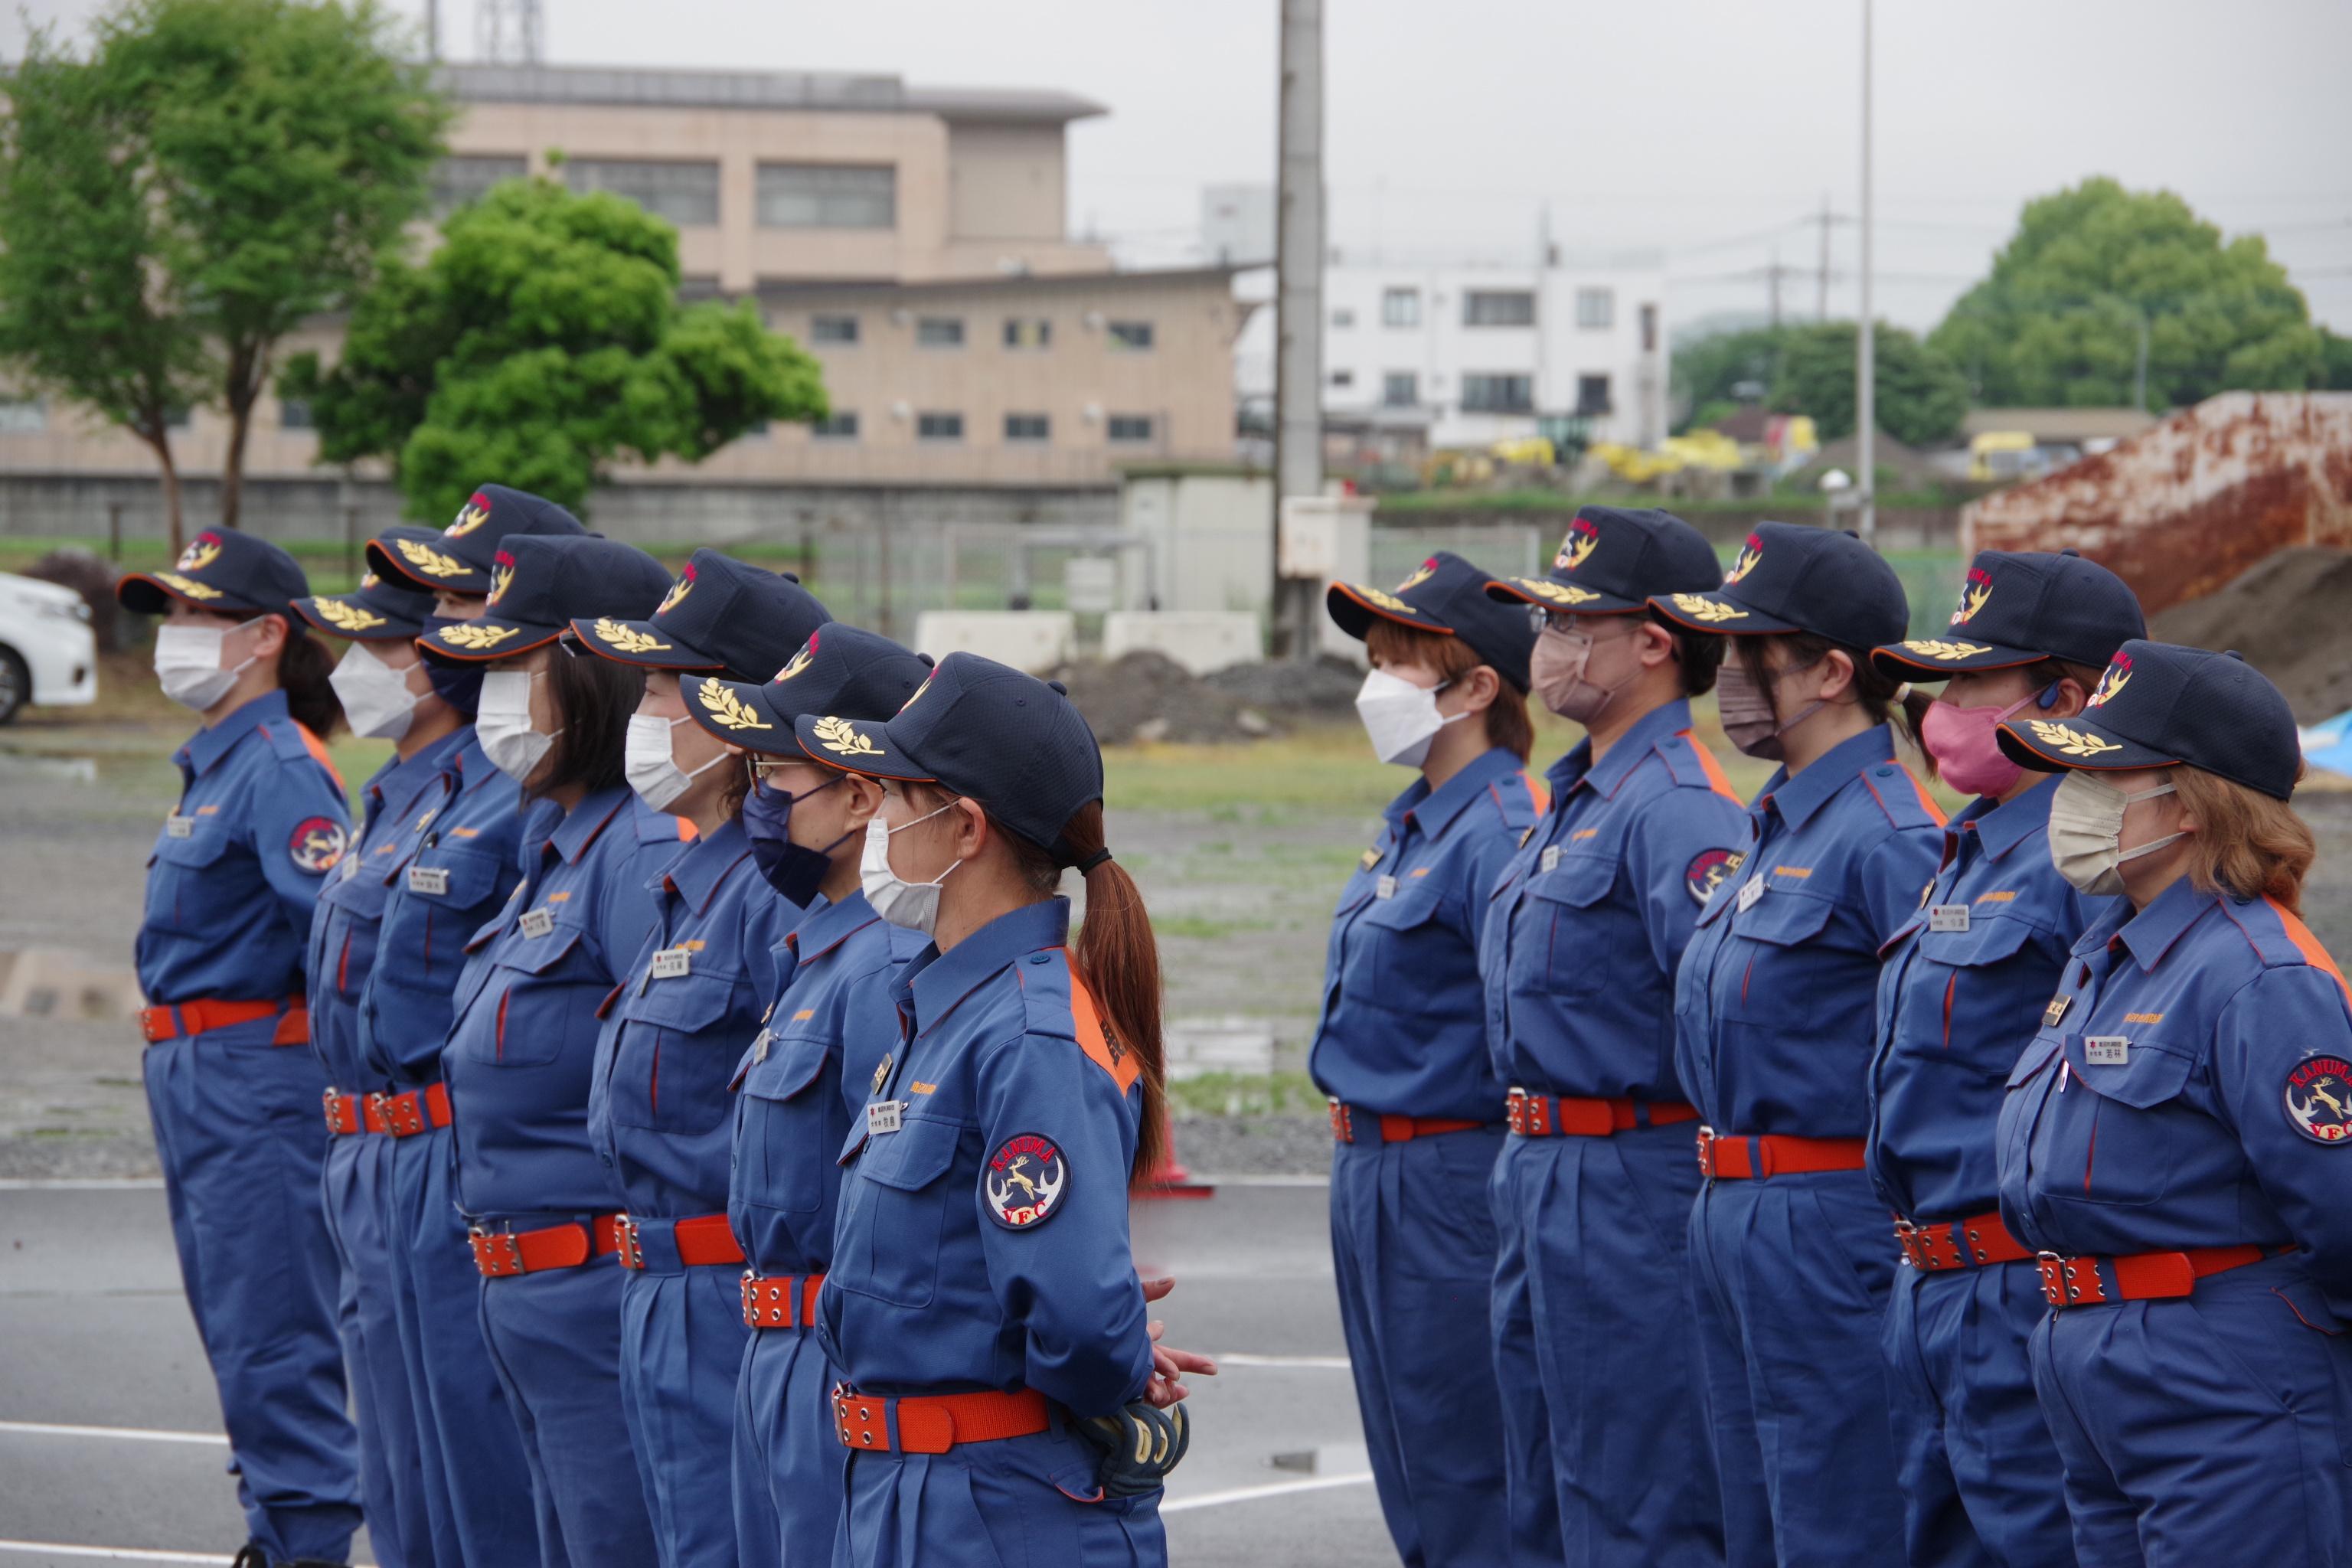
pixel 48 655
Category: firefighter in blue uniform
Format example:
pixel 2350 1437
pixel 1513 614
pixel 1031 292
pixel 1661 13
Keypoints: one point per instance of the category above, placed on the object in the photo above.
pixel 1401 1049
pixel 1960 997
pixel 1593 1191
pixel 455 866
pixel 690 999
pixel 2176 1141
pixel 544 1209
pixel 1000 1398
pixel 1789 1257
pixel 232 1089
pixel 385 695
pixel 807 1072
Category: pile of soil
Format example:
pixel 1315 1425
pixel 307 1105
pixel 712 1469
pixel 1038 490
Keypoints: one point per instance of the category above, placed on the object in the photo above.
pixel 2291 615
pixel 1150 697
pixel 1323 688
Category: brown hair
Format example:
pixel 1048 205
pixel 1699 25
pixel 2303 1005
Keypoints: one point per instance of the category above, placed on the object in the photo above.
pixel 1507 724
pixel 594 699
pixel 1698 654
pixel 303 667
pixel 1873 687
pixel 2247 844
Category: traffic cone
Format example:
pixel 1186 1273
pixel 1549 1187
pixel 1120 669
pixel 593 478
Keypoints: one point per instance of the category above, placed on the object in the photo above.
pixel 1171 1180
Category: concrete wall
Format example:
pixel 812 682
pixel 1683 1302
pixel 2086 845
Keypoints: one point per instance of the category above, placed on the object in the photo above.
pixel 1899 528
pixel 1005 181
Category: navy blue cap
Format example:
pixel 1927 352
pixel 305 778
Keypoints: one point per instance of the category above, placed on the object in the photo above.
pixel 1613 559
pixel 540 583
pixel 377 612
pixel 720 615
pixel 1446 597
pixel 1010 741
pixel 840 669
pixel 221 569
pixel 1793 578
pixel 460 557
pixel 2159 704
pixel 2020 607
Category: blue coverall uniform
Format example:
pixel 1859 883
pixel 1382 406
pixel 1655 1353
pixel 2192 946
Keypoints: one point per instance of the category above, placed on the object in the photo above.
pixel 356 1190
pixel 1592 1314
pixel 231 889
pixel 938 1286
pixel 2190 1087
pixel 455 866
pixel 657 1117
pixel 1775 1010
pixel 801 1083
pixel 1402 1039
pixel 1959 999
pixel 518 1063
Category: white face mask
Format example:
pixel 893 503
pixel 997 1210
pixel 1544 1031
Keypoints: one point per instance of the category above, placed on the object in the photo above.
pixel 503 722
pixel 2086 830
pixel 651 765
pixel 1401 718
pixel 376 696
pixel 914 905
pixel 188 663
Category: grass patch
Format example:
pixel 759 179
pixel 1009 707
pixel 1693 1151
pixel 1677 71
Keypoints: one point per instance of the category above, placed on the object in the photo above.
pixel 1246 1094
pixel 1204 928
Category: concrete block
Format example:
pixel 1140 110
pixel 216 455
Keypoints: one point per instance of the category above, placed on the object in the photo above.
pixel 1200 640
pixel 1033 640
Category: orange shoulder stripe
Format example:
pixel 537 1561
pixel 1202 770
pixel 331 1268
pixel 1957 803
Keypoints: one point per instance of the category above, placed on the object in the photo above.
pixel 1106 1053
pixel 1538 790
pixel 1717 780
pixel 1926 801
pixel 317 750
pixel 2308 946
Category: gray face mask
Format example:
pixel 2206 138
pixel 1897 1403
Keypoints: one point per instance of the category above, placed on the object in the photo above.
pixel 1745 708
pixel 2086 828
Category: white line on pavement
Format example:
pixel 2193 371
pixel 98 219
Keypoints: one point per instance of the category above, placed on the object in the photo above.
pixel 1251 1494
pixel 85 1185
pixel 1240 1358
pixel 1266 1179
pixel 110 1553
pixel 127 1433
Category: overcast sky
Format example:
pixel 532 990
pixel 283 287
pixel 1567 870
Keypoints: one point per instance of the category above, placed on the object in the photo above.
pixel 1692 125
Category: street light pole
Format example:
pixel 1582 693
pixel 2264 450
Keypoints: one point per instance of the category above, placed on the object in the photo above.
pixel 1299 295
pixel 1865 370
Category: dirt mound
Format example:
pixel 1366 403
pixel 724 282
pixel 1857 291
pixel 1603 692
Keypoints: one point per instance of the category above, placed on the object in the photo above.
pixel 1325 688
pixel 2291 614
pixel 1149 697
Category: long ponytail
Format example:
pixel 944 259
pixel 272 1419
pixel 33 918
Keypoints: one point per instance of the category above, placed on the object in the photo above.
pixel 302 670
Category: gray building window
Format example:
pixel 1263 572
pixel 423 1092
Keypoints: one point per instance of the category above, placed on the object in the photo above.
pixel 685 194
pixel 1592 396
pixel 939 332
pixel 1343 319
pixel 1130 337
pixel 1400 307
pixel 1028 332
pixel 1596 309
pixel 938 427
pixel 1490 394
pixel 1026 427
pixel 1343 378
pixel 1499 308
pixel 25 416
pixel 294 414
pixel 828 195
pixel 1130 426
pixel 833 328
pixel 464 176
pixel 841 424
pixel 1400 389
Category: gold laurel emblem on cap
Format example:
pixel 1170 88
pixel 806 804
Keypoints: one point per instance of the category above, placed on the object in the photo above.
pixel 346 617
pixel 1704 609
pixel 1558 593
pixel 677 590
pixel 2067 741
pixel 1749 558
pixel 1971 601
pixel 1420 574
pixel 1575 551
pixel 797 663
pixel 199 555
pixel 1935 648
pixel 2110 685
pixel 470 517
pixel 721 706
pixel 473 637
pixel 1389 602
pixel 836 736
pixel 368 580
pixel 500 577
pixel 429 560
pixel 188 585
pixel 626 638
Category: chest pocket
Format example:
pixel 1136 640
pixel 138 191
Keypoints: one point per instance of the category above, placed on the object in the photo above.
pixel 791 1123
pixel 1975 997
pixel 1762 978
pixel 1561 938
pixel 1407 959
pixel 185 888
pixel 902 1176
pixel 676 1052
pixel 2127 1140
pixel 534 996
pixel 425 935
pixel 350 909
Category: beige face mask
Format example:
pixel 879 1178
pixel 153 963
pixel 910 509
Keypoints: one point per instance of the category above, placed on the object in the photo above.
pixel 2086 830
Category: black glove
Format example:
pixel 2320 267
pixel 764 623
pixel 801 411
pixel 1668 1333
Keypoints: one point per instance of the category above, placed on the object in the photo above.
pixel 1140 1446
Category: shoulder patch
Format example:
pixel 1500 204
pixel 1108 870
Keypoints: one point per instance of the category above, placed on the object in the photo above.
pixel 317 844
pixel 1709 870
pixel 2319 1100
pixel 1901 795
pixel 1024 1181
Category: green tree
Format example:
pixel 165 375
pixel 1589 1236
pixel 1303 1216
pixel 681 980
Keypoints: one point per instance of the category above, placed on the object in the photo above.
pixel 213 175
pixel 2059 321
pixel 541 341
pixel 1921 394
pixel 1711 374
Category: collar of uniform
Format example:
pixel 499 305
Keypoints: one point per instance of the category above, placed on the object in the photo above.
pixel 825 925
pixel 208 746
pixel 945 979
pixel 583 822
pixel 1433 810
pixel 402 779
pixel 1796 799
pixel 2150 933
pixel 698 873
pixel 2012 822
pixel 1640 739
pixel 470 763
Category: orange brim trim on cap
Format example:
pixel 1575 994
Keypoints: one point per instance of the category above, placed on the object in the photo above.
pixel 1388 606
pixel 2061 745
pixel 1947 657
pixel 1718 614
pixel 738 713
pixel 188 590
pixel 480 641
pixel 639 643
pixel 338 616
pixel 849 745
pixel 1565 596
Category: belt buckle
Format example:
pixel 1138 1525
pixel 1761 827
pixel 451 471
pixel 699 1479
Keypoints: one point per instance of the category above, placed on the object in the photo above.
pixel 1343 1126
pixel 847 1401
pixel 625 1233
pixel 1706 1136
pixel 334 1101
pixel 404 1115
pixel 496 1252
pixel 1906 1236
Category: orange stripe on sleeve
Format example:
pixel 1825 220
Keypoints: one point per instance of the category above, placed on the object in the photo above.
pixel 1926 801
pixel 317 750
pixel 1538 790
pixel 2308 946
pixel 1717 780
pixel 1105 1054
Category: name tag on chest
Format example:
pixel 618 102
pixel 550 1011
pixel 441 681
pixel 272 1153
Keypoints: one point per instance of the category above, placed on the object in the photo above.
pixel 1385 888
pixel 433 879
pixel 883 1116
pixel 537 922
pixel 1750 892
pixel 1948 917
pixel 761 1043
pixel 2106 1050
pixel 669 963
pixel 1550 858
pixel 178 827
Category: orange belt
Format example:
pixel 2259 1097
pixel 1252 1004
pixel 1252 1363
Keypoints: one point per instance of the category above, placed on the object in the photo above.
pixel 932 1423
pixel 780 1300
pixel 193 1019
pixel 1393 1129
pixel 704 1239
pixel 344 1116
pixel 498 1253
pixel 2141 1277
pixel 1960 1243
pixel 1725 1154
pixel 1557 1116
pixel 407 1115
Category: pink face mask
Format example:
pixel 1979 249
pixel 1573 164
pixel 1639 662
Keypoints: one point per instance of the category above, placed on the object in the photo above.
pixel 1967 750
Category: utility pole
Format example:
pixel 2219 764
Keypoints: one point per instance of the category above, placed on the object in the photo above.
pixel 1821 284
pixel 2139 368
pixel 1772 278
pixel 1298 292
pixel 433 31
pixel 1866 371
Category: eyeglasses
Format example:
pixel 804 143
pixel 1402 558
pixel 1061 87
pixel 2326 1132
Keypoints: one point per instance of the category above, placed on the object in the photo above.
pixel 764 768
pixel 1541 619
